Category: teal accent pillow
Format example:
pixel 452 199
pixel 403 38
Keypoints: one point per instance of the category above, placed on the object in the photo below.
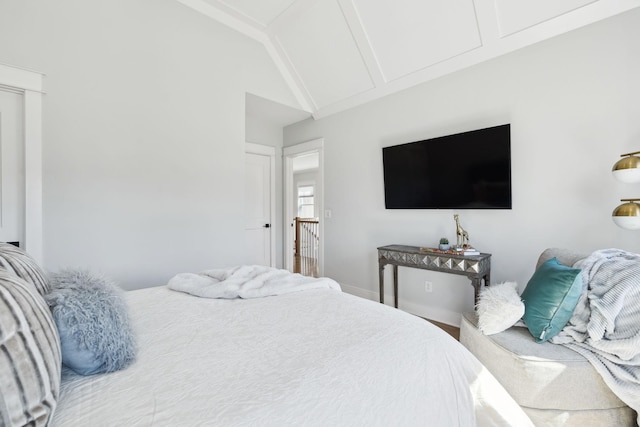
pixel 550 298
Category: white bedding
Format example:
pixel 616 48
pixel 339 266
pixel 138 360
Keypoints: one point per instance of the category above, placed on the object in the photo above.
pixel 310 358
pixel 247 281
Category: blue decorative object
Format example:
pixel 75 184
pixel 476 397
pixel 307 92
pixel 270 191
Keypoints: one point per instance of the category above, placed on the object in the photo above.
pixel 91 315
pixel 550 298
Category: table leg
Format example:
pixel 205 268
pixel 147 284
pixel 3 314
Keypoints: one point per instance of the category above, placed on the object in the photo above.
pixel 477 285
pixel 381 280
pixel 395 285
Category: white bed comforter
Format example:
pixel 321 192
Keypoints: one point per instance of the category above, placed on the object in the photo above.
pixel 310 358
pixel 246 281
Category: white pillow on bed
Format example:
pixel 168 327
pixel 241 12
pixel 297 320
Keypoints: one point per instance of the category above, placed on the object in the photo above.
pixel 499 307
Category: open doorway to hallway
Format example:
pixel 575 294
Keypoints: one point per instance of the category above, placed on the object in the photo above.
pixel 307 224
pixel 303 207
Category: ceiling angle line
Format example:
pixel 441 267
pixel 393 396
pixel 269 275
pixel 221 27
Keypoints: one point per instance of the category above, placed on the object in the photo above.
pixel 257 35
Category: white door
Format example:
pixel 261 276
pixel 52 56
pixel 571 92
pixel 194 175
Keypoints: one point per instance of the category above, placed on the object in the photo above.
pixel 258 208
pixel 12 174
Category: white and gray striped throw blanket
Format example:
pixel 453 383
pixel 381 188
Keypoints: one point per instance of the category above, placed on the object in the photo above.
pixel 605 326
pixel 247 281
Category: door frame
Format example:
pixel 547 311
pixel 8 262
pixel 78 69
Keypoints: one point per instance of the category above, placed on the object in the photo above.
pixel 289 153
pixel 266 150
pixel 29 84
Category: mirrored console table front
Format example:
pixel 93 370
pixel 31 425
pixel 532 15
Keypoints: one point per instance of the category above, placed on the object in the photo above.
pixel 476 267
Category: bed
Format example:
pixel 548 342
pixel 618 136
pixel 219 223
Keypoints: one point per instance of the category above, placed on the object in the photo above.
pixel 318 357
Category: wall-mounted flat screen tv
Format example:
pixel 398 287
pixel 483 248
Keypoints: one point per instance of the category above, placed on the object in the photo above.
pixel 469 170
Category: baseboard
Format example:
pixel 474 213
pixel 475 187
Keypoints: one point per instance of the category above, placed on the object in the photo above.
pixel 428 312
pixel 362 293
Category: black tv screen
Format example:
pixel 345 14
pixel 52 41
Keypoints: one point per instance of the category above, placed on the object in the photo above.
pixel 469 170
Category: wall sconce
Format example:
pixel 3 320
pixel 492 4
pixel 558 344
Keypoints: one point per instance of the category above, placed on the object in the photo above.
pixel 627 215
pixel 627 169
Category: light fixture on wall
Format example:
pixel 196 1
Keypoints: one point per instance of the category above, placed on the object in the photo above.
pixel 627 169
pixel 627 215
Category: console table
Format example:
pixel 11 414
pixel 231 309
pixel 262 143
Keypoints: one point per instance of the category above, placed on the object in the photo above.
pixel 476 267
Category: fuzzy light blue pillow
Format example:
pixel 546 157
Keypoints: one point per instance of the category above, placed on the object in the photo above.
pixel 91 315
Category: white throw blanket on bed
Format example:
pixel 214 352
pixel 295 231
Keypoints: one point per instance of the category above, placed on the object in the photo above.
pixel 605 326
pixel 247 281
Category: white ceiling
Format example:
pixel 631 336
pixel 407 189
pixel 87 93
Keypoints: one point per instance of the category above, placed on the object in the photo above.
pixel 337 54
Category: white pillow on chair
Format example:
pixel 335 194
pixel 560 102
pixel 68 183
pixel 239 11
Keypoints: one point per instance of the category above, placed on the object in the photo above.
pixel 499 307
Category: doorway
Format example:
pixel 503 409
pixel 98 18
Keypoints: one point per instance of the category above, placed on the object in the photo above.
pixel 28 84
pixel 12 180
pixel 304 201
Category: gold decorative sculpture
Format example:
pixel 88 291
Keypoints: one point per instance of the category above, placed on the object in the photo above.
pixel 462 237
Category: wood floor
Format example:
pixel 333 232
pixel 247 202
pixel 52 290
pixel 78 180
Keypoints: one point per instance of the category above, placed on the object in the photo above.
pixel 451 330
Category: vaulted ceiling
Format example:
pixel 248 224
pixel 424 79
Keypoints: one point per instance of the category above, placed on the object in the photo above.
pixel 337 54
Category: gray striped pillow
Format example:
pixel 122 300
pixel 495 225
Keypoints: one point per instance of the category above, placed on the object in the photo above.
pixel 30 359
pixel 17 261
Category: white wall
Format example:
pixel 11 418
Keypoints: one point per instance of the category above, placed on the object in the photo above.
pixel 144 131
pixel 573 106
